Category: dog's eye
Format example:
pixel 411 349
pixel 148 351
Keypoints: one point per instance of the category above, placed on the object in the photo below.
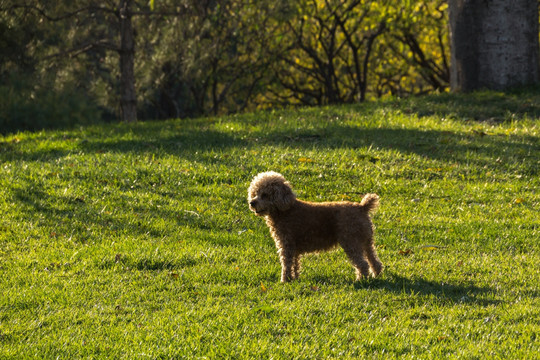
pixel 264 196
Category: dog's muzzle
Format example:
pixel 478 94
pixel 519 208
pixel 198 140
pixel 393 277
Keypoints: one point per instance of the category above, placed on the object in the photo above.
pixel 253 205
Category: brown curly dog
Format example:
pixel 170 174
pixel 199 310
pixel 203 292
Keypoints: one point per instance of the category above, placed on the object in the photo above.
pixel 300 227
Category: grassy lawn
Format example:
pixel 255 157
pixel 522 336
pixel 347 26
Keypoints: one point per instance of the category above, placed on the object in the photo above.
pixel 135 241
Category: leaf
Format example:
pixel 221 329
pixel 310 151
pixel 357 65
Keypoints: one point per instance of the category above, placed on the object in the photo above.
pixel 405 252
pixel 263 288
pixel 519 201
pixel 305 160
pixel 151 3
pixel 315 288
pixel 432 247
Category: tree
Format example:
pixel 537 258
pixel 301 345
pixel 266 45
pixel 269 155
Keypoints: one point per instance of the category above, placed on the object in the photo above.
pixel 211 59
pixel 80 32
pixel 494 44
pixel 128 97
pixel 327 47
pixel 412 56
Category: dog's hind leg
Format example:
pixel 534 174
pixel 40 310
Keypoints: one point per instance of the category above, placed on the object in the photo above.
pixel 355 253
pixel 371 255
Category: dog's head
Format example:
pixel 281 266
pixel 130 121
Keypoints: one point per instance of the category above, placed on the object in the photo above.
pixel 269 193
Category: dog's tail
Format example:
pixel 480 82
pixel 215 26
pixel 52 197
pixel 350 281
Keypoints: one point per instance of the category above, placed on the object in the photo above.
pixel 370 202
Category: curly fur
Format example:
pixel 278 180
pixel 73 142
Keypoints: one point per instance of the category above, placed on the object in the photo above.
pixel 300 227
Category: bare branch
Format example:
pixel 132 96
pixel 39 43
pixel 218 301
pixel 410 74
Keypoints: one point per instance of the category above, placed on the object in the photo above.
pixel 74 52
pixel 62 16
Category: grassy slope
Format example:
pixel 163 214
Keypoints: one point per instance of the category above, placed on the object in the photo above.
pixel 135 241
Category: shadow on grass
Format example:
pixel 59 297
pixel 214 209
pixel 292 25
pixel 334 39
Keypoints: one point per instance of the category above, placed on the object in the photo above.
pixel 474 148
pixel 148 263
pixel 188 139
pixel 176 140
pixel 455 293
pixel 483 106
pixel 73 215
pixel 141 138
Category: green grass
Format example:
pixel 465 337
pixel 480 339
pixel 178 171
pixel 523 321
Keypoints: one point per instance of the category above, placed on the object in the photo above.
pixel 135 241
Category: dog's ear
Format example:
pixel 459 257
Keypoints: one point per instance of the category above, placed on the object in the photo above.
pixel 285 197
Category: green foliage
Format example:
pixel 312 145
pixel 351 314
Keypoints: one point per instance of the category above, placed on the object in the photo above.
pixel 26 106
pixel 40 89
pixel 327 51
pixel 415 50
pixel 14 38
pixel 135 240
pixel 214 58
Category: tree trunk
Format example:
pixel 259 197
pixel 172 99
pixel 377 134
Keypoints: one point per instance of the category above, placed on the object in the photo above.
pixel 494 44
pixel 128 96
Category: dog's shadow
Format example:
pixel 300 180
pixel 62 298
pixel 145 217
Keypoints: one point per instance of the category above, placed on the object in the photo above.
pixel 416 286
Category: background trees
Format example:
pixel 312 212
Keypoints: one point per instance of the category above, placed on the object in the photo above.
pixel 72 43
pixel 417 50
pixel 326 51
pixel 212 58
pixel 72 61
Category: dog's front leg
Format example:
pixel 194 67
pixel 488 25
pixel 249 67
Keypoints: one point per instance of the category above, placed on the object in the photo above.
pixel 287 262
pixel 296 267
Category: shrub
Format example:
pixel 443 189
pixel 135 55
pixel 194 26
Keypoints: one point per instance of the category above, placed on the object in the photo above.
pixel 27 107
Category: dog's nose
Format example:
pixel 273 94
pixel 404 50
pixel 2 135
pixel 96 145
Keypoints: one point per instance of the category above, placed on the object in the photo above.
pixel 252 203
